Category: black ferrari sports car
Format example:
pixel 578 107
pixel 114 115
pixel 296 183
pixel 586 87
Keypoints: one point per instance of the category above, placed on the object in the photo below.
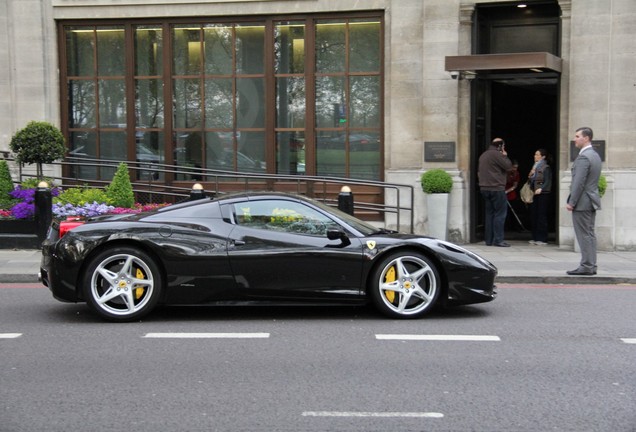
pixel 247 248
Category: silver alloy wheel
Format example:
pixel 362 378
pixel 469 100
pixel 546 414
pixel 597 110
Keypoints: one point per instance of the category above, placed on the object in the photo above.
pixel 408 285
pixel 122 285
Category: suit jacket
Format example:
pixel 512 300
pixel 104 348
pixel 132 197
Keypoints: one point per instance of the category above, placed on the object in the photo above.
pixel 586 171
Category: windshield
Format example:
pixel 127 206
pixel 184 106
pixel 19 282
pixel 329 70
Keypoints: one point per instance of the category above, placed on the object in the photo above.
pixel 364 227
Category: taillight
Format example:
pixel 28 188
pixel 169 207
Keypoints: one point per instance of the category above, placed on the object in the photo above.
pixel 69 224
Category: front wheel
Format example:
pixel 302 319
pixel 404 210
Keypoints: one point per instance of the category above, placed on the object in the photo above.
pixel 122 284
pixel 405 285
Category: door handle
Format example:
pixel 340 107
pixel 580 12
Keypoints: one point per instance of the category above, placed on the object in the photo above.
pixel 238 243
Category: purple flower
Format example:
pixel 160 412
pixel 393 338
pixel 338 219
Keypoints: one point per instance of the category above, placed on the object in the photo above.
pixel 23 210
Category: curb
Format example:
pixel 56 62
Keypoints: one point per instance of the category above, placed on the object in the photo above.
pixel 566 280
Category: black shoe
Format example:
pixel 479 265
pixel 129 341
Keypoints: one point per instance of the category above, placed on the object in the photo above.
pixel 581 272
pixel 502 244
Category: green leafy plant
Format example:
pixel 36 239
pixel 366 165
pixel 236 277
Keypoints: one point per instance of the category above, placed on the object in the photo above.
pixel 119 191
pixel 38 143
pixel 6 186
pixel 602 185
pixel 436 181
pixel 81 196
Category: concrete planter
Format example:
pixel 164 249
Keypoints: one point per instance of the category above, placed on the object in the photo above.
pixel 17 226
pixel 437 207
pixel 18 234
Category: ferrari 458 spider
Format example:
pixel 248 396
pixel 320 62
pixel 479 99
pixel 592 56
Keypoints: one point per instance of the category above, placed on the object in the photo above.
pixel 266 247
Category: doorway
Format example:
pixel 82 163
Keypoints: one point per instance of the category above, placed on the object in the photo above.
pixel 524 111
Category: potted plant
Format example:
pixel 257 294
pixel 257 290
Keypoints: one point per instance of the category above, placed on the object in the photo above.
pixel 38 143
pixel 437 184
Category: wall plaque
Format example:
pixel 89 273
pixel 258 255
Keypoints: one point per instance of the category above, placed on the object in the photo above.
pixel 439 151
pixel 598 145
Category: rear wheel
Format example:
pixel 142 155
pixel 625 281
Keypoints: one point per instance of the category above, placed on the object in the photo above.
pixel 122 284
pixel 405 285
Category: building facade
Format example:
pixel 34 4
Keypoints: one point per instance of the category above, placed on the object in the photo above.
pixel 377 89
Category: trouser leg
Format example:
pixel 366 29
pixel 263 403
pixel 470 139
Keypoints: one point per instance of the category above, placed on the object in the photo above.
pixel 488 217
pixel 584 222
pixel 500 210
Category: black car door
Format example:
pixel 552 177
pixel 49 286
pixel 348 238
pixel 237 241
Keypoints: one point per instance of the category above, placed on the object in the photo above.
pixel 279 248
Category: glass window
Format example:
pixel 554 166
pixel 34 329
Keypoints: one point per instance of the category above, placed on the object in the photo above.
pixel 206 94
pixel 289 48
pixel 364 46
pixel 219 103
pixel 80 51
pixel 186 50
pixel 365 101
pixel 187 103
pixel 250 104
pixel 330 46
pixel 81 96
pixel 112 102
pixel 331 106
pixel 290 153
pixel 218 49
pixel 283 216
pixel 148 50
pixel 250 49
pixel 149 103
pixel 111 51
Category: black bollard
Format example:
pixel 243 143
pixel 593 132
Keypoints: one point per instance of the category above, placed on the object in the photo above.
pixel 43 210
pixel 345 200
pixel 197 192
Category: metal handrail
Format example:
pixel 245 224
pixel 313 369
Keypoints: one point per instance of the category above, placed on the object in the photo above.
pixel 403 194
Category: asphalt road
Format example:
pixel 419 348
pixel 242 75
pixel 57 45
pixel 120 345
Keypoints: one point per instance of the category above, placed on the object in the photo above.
pixel 539 358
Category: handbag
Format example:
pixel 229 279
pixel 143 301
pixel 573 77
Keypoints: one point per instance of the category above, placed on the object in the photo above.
pixel 526 193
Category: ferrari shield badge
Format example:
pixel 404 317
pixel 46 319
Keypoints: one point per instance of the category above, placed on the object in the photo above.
pixel 371 244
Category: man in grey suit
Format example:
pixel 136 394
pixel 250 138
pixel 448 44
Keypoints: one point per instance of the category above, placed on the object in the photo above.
pixel 584 199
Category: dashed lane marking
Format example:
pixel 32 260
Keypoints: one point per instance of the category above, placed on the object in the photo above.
pixel 629 340
pixel 207 335
pixel 371 414
pixel 10 335
pixel 463 338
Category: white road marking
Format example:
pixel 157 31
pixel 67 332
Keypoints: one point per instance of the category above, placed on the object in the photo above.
pixel 371 414
pixel 10 335
pixel 207 335
pixel 629 340
pixel 466 338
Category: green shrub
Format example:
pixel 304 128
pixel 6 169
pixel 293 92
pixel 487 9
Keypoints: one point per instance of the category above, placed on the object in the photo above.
pixel 38 143
pixel 436 181
pixel 6 186
pixel 602 185
pixel 32 182
pixel 120 191
pixel 81 196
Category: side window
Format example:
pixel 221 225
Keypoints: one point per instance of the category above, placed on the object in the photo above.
pixel 282 216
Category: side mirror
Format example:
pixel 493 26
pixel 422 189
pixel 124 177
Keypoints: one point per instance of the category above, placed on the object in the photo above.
pixel 338 234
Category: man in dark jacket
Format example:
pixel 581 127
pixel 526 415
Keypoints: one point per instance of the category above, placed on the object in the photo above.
pixel 492 171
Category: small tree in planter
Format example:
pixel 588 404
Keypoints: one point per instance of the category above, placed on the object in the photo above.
pixel 437 184
pixel 6 187
pixel 38 143
pixel 436 181
pixel 119 191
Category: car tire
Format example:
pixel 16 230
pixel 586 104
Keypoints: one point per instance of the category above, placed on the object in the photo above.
pixel 122 284
pixel 405 285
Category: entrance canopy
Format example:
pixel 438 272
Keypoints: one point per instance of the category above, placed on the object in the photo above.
pixel 518 62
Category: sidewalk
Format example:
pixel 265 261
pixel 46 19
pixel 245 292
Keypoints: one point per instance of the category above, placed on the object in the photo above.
pixel 520 263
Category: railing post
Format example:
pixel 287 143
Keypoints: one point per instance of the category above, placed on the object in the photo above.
pixel 345 200
pixel 43 210
pixel 197 192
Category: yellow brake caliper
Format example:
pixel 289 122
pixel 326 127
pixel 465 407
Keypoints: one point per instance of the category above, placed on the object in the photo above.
pixel 388 278
pixel 139 291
